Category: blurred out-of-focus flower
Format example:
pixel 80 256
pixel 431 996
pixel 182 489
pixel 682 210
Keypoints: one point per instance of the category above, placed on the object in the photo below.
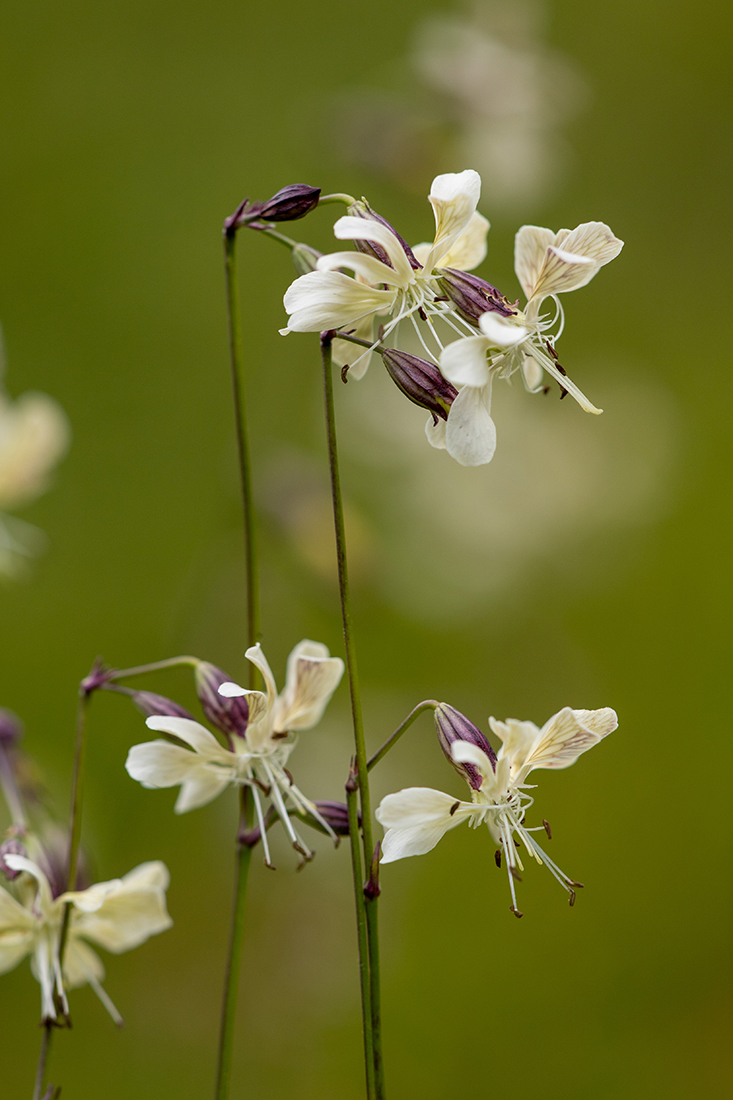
pixel 116 915
pixel 547 264
pixel 415 819
pixel 261 742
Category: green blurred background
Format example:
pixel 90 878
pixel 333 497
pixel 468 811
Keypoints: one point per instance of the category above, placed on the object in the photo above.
pixel 588 565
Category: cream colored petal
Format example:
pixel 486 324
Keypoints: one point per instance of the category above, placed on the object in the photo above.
pixel 81 963
pixel 562 272
pixel 453 197
pixel 312 677
pixel 193 733
pixel 129 916
pixel 421 252
pixel 415 819
pixel 44 899
pixel 564 737
pixel 601 722
pixel 371 270
pixel 463 752
pixel 364 229
pixel 500 331
pixel 464 361
pixel 532 374
pixel 258 659
pixel 15 944
pixel 435 431
pixel 153 874
pixel 257 703
pixel 517 739
pixel 13 915
pixel 343 352
pixel 158 764
pixel 593 240
pixel 530 248
pixel 329 299
pixel 34 434
pixel 470 434
pixel 201 787
pixel 470 248
pixel 92 899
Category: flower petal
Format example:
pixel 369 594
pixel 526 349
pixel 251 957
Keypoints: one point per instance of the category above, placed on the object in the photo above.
pixel 258 659
pixel 470 248
pixel 44 900
pixel 530 248
pixel 435 431
pixel 592 239
pixel 464 361
pixel 575 257
pixel 532 374
pixel 470 434
pixel 81 963
pixel 359 358
pixel 16 931
pixel 350 228
pixel 329 299
pixel 453 197
pixel 256 701
pixel 186 729
pixel 159 764
pixel 415 819
pixel 464 752
pixel 312 677
pixel 368 267
pixel 202 787
pixel 500 331
pixel 132 911
pixel 565 736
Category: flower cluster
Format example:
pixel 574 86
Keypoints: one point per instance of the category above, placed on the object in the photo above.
pixel 363 296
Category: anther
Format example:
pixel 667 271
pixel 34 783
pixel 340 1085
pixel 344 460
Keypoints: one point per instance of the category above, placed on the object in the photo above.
pixel 290 778
pixel 548 830
pixel 577 885
pixel 515 911
pixel 497 857
pixel 516 876
pixel 280 736
pixel 453 808
pixel 571 900
pixel 263 787
pixel 344 372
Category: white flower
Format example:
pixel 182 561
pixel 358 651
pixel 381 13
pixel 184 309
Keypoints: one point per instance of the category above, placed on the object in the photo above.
pixel 399 288
pixel 547 264
pixel 258 757
pixel 116 915
pixel 415 819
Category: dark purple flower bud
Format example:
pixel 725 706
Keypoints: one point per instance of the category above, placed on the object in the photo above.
pixel 100 675
pixel 420 381
pixel 372 889
pixel 289 204
pixel 335 814
pixel 11 847
pixel 305 258
pixel 362 209
pixel 454 726
pixel 149 703
pixel 11 727
pixel 228 715
pixel 473 296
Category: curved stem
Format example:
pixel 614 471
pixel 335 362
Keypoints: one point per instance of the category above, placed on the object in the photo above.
pixel 245 470
pixel 361 931
pixel 337 196
pixel 42 1059
pixel 154 666
pixel 234 956
pixel 362 772
pixel 427 704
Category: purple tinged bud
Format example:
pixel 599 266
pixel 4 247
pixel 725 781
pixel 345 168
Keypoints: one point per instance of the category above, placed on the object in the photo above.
pixel 420 381
pixel 228 715
pixel 453 726
pixel 362 209
pixel 11 847
pixel 288 205
pixel 11 728
pixel 473 296
pixel 305 259
pixel 150 703
pixel 335 814
pixel 100 675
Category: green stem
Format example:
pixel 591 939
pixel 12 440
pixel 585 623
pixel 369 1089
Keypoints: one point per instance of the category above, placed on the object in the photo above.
pixel 372 925
pixel 240 408
pixel 234 956
pixel 337 196
pixel 154 666
pixel 361 931
pixel 362 772
pixel 42 1059
pixel 427 704
pixel 274 235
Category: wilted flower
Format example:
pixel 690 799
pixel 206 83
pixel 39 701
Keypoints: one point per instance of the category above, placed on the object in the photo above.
pixel 547 264
pixel 415 819
pixel 391 280
pixel 260 746
pixel 116 915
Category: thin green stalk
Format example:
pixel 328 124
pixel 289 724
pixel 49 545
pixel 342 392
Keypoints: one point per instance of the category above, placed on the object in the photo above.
pixel 154 666
pixel 355 694
pixel 42 1059
pixel 234 956
pixel 361 931
pixel 240 409
pixel 427 704
pixel 371 909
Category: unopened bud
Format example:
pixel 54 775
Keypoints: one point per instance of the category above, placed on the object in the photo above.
pixel 372 889
pixel 287 205
pixel 335 814
pixel 473 296
pixel 305 259
pixel 11 727
pixel 150 703
pixel 362 209
pixel 100 675
pixel 11 847
pixel 228 715
pixel 420 381
pixel 453 726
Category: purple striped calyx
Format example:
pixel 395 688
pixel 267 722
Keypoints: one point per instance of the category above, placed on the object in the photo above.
pixel 453 726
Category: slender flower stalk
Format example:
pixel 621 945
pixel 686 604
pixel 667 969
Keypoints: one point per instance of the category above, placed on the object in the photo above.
pixel 42 1059
pixel 427 704
pixel 352 787
pixel 234 956
pixel 240 411
pixel 362 770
